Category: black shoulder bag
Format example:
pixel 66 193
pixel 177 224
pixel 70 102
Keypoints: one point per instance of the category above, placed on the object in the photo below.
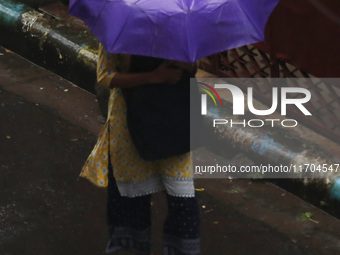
pixel 158 115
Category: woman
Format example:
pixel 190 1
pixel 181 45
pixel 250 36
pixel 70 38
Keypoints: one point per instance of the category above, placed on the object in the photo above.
pixel 116 164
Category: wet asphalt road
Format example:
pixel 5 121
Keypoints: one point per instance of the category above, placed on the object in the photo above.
pixel 48 128
pixel 43 209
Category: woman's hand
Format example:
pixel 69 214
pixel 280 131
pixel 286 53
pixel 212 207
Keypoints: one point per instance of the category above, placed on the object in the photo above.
pixel 167 73
pixel 189 67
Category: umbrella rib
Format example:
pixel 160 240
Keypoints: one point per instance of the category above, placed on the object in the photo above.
pixel 146 14
pixel 96 19
pixel 120 29
pixel 249 18
pixel 189 39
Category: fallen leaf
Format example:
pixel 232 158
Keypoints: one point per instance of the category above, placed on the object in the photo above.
pixel 233 191
pixel 323 203
pixel 308 216
pixel 199 189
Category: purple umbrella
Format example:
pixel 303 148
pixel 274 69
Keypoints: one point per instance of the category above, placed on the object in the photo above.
pixel 184 30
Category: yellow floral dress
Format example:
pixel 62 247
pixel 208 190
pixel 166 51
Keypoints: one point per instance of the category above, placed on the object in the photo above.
pixel 134 176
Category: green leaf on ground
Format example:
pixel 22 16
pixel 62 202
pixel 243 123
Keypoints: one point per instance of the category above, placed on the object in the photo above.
pixel 233 191
pixel 308 216
pixel 323 203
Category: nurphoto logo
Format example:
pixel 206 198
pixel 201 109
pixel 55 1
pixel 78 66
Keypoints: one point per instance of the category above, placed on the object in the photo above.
pixel 238 103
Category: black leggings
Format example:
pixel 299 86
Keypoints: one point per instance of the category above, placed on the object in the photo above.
pixel 129 221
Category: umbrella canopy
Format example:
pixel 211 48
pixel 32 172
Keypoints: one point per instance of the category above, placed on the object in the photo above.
pixel 184 30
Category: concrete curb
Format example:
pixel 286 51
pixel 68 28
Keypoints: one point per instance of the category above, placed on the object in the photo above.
pixel 66 50
pixel 275 147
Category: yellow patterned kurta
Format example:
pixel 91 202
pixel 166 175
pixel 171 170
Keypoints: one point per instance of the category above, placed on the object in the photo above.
pixel 134 176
